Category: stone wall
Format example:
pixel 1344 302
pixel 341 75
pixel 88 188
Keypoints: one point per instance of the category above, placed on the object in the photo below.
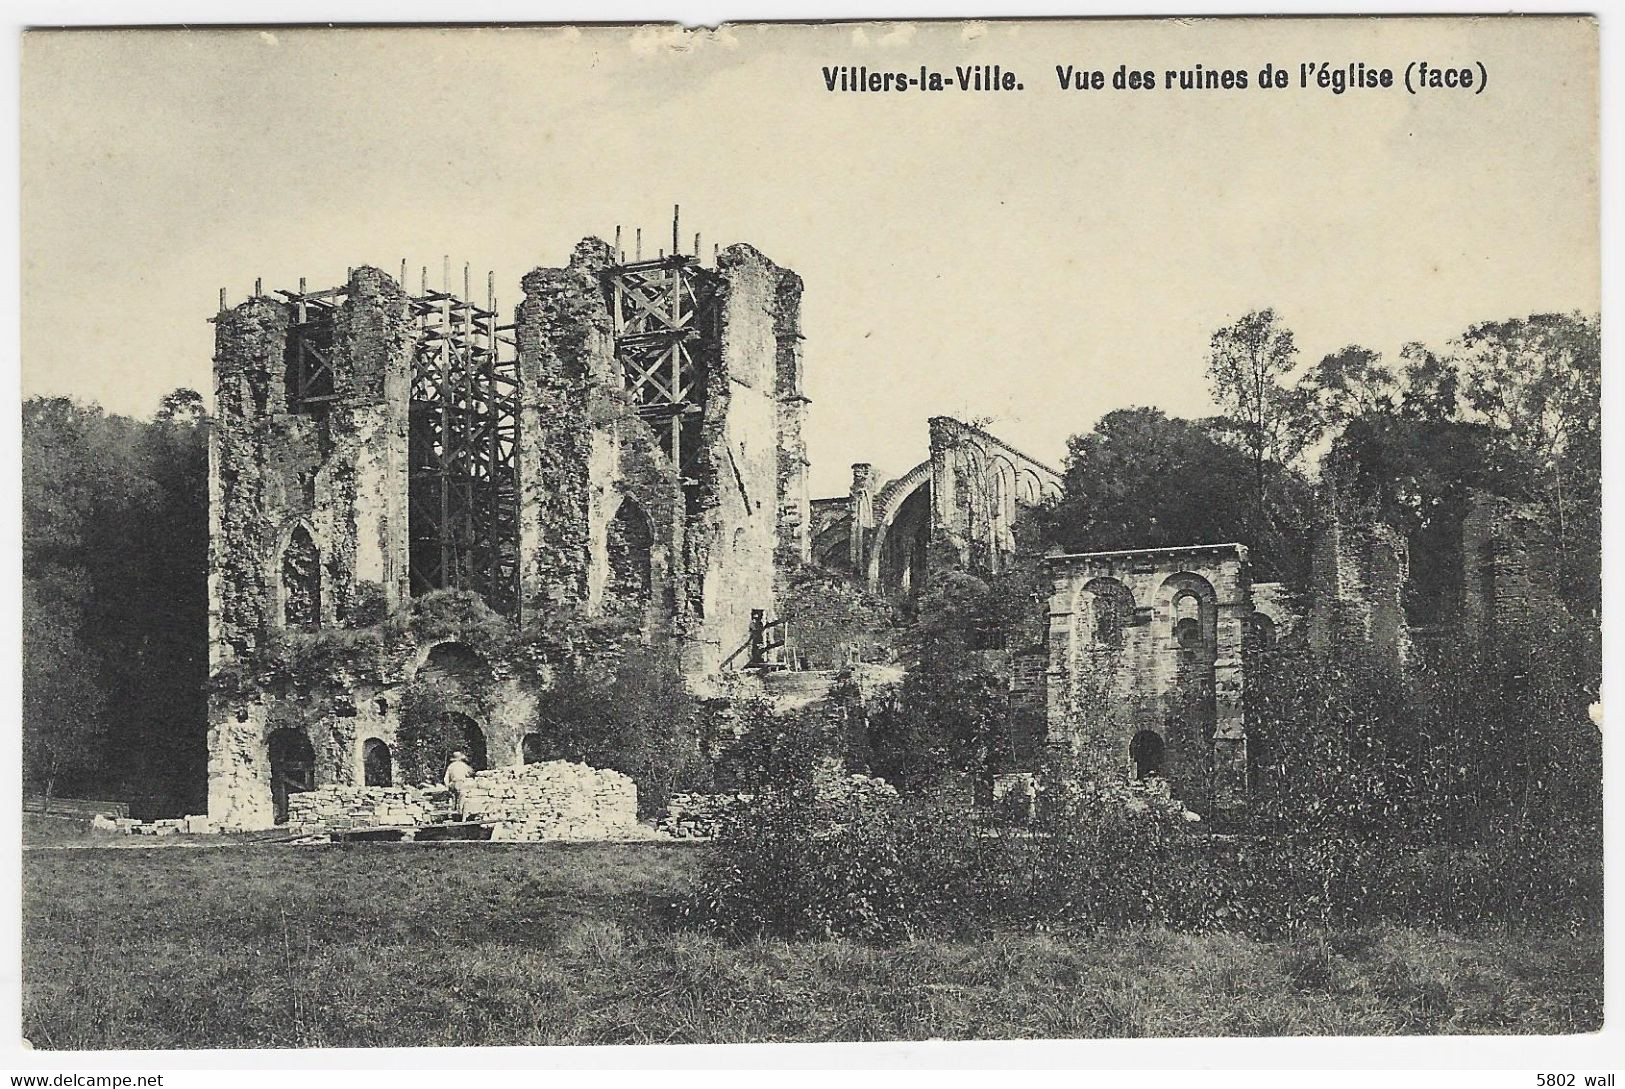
pixel 554 800
pixel 310 543
pixel 978 482
pixel 1509 570
pixel 958 507
pixel 335 476
pixel 327 483
pixel 1146 659
pixel 1358 571
pixel 345 808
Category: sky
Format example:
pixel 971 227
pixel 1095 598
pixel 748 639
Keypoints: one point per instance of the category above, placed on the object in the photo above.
pixel 1037 257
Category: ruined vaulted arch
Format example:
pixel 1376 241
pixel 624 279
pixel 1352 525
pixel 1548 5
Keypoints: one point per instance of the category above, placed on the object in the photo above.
pixel 452 662
pixel 912 488
pixel 628 561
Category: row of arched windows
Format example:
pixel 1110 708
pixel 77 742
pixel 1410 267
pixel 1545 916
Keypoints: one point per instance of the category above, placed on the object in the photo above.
pixel 629 548
pixel 1113 613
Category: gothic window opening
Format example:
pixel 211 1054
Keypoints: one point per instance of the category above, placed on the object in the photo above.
pixel 628 551
pixel 301 571
pixel 378 768
pixel 1113 610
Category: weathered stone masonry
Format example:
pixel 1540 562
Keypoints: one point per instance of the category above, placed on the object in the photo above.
pixel 662 500
pixel 1146 665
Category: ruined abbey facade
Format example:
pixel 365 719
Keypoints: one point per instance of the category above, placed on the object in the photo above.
pixel 624 449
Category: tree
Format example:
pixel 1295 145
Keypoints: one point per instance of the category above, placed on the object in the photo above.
pixel 639 720
pixel 1431 384
pixel 64 706
pixel 1247 365
pixel 1538 381
pixel 115 626
pixel 1418 476
pixel 1345 385
pixel 1143 479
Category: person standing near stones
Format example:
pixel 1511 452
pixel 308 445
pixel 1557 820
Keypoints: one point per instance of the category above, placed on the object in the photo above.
pixel 459 775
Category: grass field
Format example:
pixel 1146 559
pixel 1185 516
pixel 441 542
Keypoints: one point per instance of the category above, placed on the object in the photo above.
pixel 401 945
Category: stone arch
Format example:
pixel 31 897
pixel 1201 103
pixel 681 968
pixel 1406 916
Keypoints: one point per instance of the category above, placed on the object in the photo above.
pixel 901 552
pixel 629 562
pixel 1147 752
pixel 292 760
pixel 377 763
pixel 1187 595
pixel 886 504
pixel 453 661
pixel 1111 610
pixel 530 749
pixel 473 739
pixel 299 579
pixel 1261 632
pixel 831 545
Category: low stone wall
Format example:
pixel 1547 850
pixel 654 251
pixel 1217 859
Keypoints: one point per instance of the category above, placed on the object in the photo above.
pixel 196 825
pixel 702 816
pixel 341 808
pixel 555 800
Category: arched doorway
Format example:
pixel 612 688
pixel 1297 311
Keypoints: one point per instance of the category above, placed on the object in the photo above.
pixel 473 739
pixel 1146 751
pixel 378 768
pixel 530 749
pixel 293 769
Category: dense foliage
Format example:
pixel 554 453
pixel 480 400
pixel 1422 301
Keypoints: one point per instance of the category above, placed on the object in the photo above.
pixel 637 718
pixel 1143 479
pixel 114 603
pixel 1466 795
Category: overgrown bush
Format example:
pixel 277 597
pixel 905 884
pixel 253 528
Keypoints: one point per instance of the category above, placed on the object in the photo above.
pixel 798 864
pixel 1101 854
pixel 639 720
pixel 432 727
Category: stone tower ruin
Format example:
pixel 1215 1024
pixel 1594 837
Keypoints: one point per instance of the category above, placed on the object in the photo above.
pixel 628 449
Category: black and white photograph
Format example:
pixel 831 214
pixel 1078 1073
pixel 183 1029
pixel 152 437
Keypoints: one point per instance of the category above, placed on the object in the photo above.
pixel 810 533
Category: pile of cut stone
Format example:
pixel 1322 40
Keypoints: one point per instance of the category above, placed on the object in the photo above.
pixel 700 816
pixel 555 800
pixel 197 825
pixel 345 808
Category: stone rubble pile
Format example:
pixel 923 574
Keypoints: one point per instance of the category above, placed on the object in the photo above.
pixel 196 825
pixel 343 808
pixel 702 816
pixel 555 800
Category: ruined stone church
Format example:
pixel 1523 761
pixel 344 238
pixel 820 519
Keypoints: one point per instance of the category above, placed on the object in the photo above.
pixel 627 449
